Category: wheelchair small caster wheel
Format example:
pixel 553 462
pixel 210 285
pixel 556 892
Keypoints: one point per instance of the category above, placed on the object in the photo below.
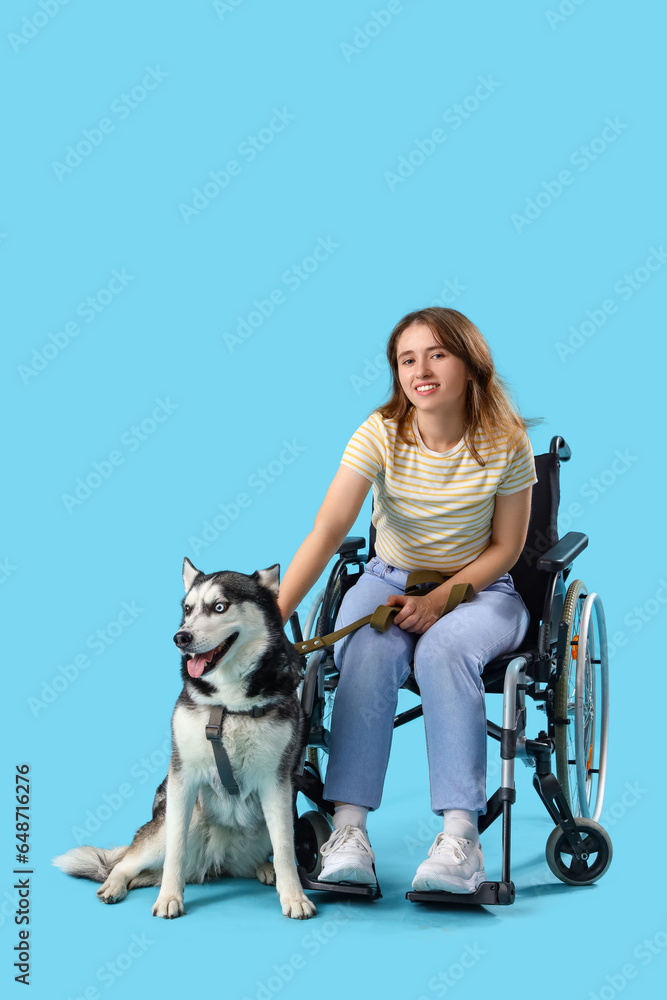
pixel 311 831
pixel 597 845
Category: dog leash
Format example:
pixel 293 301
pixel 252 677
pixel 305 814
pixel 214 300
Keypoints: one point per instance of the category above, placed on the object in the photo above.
pixel 383 616
pixel 380 620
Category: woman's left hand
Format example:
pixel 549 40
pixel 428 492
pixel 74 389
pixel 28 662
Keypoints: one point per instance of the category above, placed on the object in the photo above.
pixel 417 613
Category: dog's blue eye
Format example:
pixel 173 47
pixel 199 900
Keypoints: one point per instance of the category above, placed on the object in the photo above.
pixel 220 607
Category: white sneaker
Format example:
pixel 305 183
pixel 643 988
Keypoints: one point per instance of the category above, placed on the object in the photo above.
pixel 348 857
pixel 454 864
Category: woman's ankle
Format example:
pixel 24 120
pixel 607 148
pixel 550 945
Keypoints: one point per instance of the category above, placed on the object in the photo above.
pixel 346 814
pixel 461 823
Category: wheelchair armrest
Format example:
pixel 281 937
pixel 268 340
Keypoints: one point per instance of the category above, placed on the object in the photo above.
pixel 351 545
pixel 295 625
pixel 560 555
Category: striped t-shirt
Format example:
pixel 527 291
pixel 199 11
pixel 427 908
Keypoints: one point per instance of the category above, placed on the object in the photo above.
pixel 433 510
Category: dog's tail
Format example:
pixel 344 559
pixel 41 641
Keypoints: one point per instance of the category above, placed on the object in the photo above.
pixel 94 863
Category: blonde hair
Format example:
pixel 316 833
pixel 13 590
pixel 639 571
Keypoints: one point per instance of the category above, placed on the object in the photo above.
pixel 488 403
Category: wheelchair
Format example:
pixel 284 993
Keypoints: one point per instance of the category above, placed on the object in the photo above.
pixel 562 664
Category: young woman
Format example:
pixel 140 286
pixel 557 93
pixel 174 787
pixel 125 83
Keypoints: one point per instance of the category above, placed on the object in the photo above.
pixel 452 469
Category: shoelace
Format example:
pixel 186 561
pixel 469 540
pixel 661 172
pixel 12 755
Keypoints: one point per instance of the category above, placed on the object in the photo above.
pixel 346 836
pixel 449 846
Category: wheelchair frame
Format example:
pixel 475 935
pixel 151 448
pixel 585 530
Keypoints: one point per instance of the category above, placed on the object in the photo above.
pixel 534 669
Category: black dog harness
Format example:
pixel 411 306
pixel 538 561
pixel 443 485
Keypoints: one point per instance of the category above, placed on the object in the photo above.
pixel 214 735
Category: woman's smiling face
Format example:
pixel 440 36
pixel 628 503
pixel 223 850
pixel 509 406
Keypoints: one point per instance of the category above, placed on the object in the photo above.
pixel 423 361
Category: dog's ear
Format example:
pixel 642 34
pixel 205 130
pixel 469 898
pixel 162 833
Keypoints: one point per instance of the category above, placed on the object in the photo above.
pixel 189 573
pixel 269 578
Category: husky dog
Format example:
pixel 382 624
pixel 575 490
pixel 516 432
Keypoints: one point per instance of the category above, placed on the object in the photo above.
pixel 235 655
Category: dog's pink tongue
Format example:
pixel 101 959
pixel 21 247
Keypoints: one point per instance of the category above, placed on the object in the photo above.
pixel 197 664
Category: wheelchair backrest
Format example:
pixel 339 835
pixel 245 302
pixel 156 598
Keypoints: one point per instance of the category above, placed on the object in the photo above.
pixel 530 582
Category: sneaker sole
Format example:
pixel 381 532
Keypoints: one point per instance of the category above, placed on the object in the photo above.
pixel 348 874
pixel 442 883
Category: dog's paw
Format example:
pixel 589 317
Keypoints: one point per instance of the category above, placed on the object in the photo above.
pixel 266 873
pixel 298 907
pixel 168 907
pixel 112 891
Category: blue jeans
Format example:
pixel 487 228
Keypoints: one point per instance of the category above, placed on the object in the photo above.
pixel 448 661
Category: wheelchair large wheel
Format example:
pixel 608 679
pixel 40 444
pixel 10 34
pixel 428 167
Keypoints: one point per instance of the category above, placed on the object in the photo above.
pixel 582 704
pixel 311 831
pixel 563 863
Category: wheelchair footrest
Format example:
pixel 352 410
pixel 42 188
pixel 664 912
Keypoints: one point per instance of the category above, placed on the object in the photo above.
pixel 347 888
pixel 487 894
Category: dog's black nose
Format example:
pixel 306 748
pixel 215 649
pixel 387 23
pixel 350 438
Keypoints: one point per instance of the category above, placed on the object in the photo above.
pixel 183 638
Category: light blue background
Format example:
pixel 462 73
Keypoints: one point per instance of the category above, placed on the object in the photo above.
pixel 308 376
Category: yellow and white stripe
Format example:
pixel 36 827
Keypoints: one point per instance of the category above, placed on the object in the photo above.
pixel 434 510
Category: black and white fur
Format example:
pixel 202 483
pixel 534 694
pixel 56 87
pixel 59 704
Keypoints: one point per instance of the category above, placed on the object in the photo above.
pixel 199 831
